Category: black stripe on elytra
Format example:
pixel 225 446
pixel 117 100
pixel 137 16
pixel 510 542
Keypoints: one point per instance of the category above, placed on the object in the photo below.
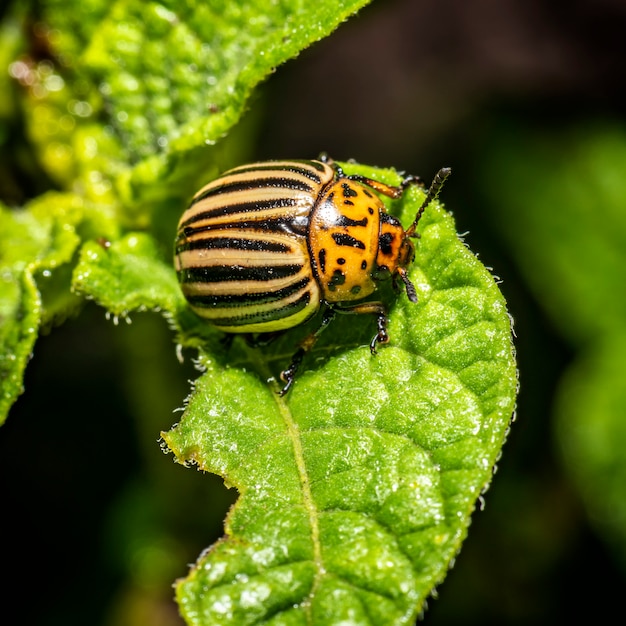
pixel 226 273
pixel 241 207
pixel 277 167
pixel 280 225
pixel 233 243
pixel 265 316
pixel 250 184
pixel 318 165
pixel 341 239
pixel 243 299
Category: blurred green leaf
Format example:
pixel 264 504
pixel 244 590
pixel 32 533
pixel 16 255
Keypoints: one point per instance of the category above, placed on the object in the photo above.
pixel 62 108
pixel 591 429
pixel 565 223
pixel 566 226
pixel 356 489
pixel 19 320
pixel 70 31
pixel 10 44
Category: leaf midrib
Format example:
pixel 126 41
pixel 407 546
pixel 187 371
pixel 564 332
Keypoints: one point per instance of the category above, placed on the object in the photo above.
pixel 293 433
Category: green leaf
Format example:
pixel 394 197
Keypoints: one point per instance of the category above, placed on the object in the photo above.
pixel 20 311
pixel 35 243
pixel 356 489
pixel 120 108
pixel 125 275
pixel 140 90
pixel 591 430
pixel 178 74
pixel 130 274
pixel 175 77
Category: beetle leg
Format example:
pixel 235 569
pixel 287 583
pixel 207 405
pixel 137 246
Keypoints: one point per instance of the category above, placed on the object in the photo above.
pixel 381 336
pixel 371 308
pixel 288 375
pixel 227 341
pixel 260 340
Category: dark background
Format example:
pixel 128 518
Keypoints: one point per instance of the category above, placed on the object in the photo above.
pixel 409 83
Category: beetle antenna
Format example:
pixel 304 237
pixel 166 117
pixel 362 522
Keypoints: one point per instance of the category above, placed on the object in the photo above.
pixel 431 195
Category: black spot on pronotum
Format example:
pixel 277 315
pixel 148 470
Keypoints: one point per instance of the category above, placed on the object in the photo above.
pixel 363 265
pixel 370 210
pixel 322 259
pixel 384 243
pixel 381 272
pixel 341 239
pixel 349 222
pixel 355 290
pixel 338 278
pixel 341 261
pixel 348 191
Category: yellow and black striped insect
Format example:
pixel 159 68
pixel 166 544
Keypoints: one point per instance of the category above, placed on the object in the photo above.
pixel 266 246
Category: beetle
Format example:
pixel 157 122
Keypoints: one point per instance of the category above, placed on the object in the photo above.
pixel 266 246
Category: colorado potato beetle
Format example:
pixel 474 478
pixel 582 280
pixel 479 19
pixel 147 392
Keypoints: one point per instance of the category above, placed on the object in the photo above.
pixel 267 246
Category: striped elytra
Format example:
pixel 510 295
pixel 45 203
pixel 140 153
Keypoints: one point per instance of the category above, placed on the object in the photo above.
pixel 264 247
